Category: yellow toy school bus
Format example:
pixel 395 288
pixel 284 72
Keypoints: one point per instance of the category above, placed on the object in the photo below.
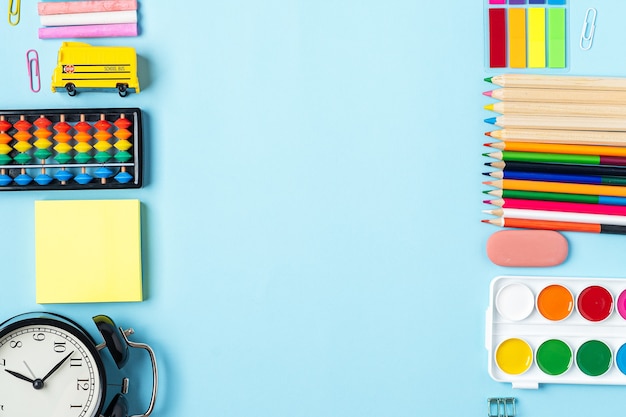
pixel 82 66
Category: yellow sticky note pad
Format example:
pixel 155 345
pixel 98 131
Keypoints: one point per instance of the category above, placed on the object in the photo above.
pixel 88 251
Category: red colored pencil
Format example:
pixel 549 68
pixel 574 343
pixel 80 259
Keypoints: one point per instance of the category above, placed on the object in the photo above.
pixel 559 206
pixel 554 225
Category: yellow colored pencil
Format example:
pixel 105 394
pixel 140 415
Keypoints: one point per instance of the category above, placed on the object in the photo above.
pixel 559 148
pixel 559 187
pixel 558 109
pixel 574 137
pixel 559 82
pixel 551 95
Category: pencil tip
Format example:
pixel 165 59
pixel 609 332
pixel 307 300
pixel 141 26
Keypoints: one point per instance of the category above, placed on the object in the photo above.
pixel 488 93
pixel 489 107
pixel 491 120
pixel 485 220
pixel 488 79
pixel 488 134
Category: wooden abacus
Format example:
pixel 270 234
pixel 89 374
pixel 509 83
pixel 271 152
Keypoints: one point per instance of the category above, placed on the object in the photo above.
pixel 70 149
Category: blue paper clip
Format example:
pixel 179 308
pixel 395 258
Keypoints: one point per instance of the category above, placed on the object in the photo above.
pixel 589 27
pixel 14 12
pixel 32 61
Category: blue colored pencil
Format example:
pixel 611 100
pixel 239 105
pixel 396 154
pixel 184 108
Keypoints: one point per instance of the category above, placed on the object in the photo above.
pixel 555 177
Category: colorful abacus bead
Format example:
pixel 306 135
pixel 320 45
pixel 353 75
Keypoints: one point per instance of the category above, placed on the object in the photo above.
pixel 23 145
pixel 102 136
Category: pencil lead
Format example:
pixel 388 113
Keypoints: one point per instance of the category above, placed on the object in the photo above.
pixel 491 120
pixel 490 144
pixel 489 79
pixel 488 134
pixel 488 93
pixel 489 107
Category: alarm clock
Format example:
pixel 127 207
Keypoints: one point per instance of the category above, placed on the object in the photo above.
pixel 51 366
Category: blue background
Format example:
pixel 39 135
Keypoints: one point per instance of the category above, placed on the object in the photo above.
pixel 312 243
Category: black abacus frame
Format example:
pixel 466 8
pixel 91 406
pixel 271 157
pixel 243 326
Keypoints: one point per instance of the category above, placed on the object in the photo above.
pixel 73 116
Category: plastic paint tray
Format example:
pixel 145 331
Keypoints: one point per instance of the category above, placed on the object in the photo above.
pixel 556 330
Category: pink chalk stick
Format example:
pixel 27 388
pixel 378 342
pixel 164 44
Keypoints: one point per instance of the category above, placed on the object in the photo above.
pixel 89 31
pixel 527 248
pixel 64 7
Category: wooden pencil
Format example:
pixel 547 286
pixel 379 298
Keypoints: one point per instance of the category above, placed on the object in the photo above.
pixel 560 226
pixel 568 136
pixel 557 216
pixel 520 121
pixel 547 196
pixel 551 95
pixel 557 158
pixel 559 82
pixel 558 109
pixel 569 169
pixel 517 203
pixel 559 148
pixel 559 187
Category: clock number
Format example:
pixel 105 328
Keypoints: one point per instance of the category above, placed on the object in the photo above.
pixel 40 337
pixel 82 384
pixel 15 344
pixel 3 362
pixel 76 362
pixel 75 406
pixel 59 347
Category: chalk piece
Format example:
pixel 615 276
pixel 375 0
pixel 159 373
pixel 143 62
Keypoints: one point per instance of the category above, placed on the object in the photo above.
pixel 96 18
pixel 63 7
pixel 527 248
pixel 88 251
pixel 89 31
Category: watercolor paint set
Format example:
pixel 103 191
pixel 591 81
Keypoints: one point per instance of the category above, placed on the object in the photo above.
pixel 70 149
pixel 556 330
pixel 526 34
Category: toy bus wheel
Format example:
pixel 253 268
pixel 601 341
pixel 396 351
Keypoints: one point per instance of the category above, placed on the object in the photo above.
pixel 122 90
pixel 71 89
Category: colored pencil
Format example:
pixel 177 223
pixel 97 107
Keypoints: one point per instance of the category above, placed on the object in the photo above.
pixel 574 137
pixel 559 82
pixel 559 187
pixel 557 216
pixel 551 95
pixel 547 176
pixel 546 196
pixel 557 158
pixel 519 121
pixel 516 203
pixel 558 109
pixel 561 226
pixel 570 169
pixel 559 148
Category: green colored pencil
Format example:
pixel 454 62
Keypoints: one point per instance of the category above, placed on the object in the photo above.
pixel 557 158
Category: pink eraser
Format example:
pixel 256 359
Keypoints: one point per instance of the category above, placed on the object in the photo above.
pixel 529 248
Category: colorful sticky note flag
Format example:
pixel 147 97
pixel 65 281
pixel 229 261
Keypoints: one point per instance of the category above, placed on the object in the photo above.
pixel 88 251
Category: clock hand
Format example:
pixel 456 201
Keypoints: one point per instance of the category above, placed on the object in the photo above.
pixel 20 376
pixel 57 366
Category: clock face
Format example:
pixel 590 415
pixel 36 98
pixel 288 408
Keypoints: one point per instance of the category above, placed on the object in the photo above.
pixel 49 368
